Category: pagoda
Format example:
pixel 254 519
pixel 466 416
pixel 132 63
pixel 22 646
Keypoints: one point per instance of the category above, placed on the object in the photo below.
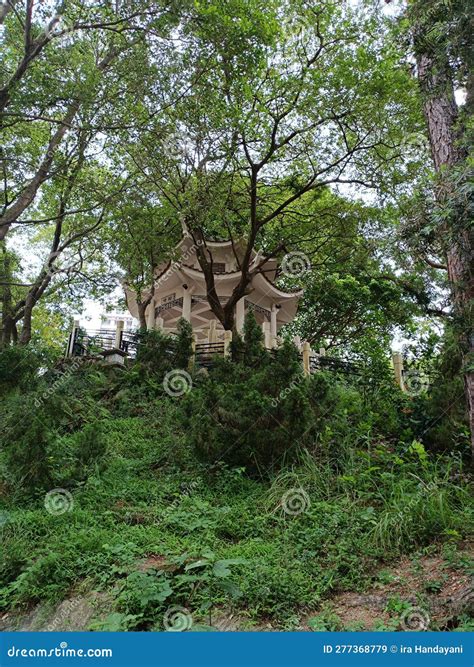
pixel 180 291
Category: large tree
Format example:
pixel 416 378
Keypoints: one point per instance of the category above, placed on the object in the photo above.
pixel 318 104
pixel 71 80
pixel 443 48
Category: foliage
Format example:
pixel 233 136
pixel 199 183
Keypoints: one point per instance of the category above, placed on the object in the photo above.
pixel 154 530
pixel 19 367
pixel 287 127
pixel 184 341
pixel 154 352
pixel 261 412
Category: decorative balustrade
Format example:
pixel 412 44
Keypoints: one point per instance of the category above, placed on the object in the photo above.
pixel 255 308
pixel 176 303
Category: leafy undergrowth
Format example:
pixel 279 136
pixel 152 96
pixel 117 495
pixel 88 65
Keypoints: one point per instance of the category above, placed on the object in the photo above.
pixel 160 541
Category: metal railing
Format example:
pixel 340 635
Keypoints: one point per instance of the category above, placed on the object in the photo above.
pixel 334 364
pixel 84 342
pixel 92 341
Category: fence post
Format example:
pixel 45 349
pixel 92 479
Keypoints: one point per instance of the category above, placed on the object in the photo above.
pixel 212 331
pixel 306 358
pixel 72 338
pixel 118 334
pixel 322 352
pixel 240 315
pixel 397 361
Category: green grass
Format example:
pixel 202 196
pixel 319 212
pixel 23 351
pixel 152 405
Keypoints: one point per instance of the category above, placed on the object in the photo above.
pixel 147 496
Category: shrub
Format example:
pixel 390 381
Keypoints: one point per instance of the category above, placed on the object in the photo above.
pixel 158 353
pixel 155 352
pixel 244 415
pixel 19 367
pixel 25 443
pixel 184 343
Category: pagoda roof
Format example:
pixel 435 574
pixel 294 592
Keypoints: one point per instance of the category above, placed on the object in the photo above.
pixel 263 281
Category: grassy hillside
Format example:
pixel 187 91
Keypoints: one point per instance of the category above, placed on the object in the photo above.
pixel 108 495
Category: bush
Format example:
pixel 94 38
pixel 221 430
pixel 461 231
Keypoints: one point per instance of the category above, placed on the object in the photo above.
pixel 155 352
pixel 26 441
pixel 19 367
pixel 262 411
pixel 244 415
pixel 158 353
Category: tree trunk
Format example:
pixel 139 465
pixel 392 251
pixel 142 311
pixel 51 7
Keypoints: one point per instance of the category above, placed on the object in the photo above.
pixel 6 298
pixel 441 115
pixel 142 306
pixel 25 335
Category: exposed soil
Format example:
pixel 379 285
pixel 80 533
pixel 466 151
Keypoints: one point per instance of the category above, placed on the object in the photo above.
pixel 437 594
pixel 73 614
pixel 414 594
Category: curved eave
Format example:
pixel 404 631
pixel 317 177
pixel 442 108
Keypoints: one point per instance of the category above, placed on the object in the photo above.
pixel 225 244
pixel 187 242
pixel 131 299
pixel 269 288
pixel 162 269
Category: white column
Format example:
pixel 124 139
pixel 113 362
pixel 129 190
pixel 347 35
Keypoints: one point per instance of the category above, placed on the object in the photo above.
pixel 150 319
pixel 240 314
pixel 159 323
pixel 187 305
pixel 213 331
pixel 267 336
pixel 273 321
pixel 72 337
pixel 118 333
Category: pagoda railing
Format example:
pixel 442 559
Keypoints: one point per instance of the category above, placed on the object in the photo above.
pixel 175 303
